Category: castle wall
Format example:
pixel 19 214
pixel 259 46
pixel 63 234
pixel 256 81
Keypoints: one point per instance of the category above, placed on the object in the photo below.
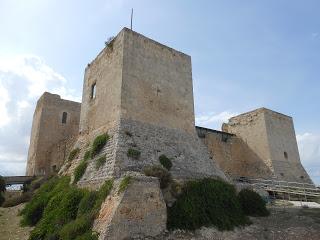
pixel 283 147
pixel 105 71
pixel 233 155
pixel 48 130
pixel 157 84
pixel 271 136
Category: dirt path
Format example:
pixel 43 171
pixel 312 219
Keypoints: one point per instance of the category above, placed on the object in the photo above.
pixel 9 224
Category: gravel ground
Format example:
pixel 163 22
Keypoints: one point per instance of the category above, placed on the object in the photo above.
pixel 9 224
pixel 287 223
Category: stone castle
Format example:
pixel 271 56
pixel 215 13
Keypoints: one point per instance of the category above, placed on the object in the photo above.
pixel 140 92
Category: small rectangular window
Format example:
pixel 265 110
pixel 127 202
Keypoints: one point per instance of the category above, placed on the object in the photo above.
pixel 64 117
pixel 93 91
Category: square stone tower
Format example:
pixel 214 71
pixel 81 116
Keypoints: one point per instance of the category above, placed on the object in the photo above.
pixel 139 79
pixel 55 121
pixel 140 92
pixel 271 136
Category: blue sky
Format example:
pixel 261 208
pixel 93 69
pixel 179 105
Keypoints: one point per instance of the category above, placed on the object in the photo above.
pixel 245 54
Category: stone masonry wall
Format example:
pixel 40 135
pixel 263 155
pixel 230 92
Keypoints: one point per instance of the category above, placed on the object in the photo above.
pixel 156 84
pixel 105 71
pixel 189 156
pixel 271 136
pixel 233 155
pixel 48 130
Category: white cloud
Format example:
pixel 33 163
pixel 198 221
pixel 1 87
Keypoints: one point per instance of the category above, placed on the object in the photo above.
pixel 309 148
pixel 214 120
pixel 23 79
pixel 4 99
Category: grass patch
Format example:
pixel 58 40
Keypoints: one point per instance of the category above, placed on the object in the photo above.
pixel 2 199
pixel 206 202
pixel 99 143
pixel 133 153
pixel 74 153
pixel 64 211
pixel 252 204
pixel 159 172
pixel 100 162
pixel 124 184
pixel 80 170
pixel 87 155
pixel 166 162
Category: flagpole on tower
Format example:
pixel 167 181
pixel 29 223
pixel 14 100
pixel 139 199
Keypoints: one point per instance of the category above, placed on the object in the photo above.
pixel 131 18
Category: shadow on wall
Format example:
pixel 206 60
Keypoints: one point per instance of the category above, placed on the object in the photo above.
pixel 233 155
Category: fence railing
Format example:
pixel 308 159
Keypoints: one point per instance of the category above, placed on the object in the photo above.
pixel 291 189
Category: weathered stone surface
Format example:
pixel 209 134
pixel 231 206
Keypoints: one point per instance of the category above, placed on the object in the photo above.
pixel 233 155
pixel 49 134
pixel 189 156
pixel 272 137
pixel 138 210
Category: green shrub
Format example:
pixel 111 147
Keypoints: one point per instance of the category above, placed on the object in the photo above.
pixel 87 155
pixel 2 184
pixel 73 154
pixel 77 227
pixel 2 199
pixel 104 190
pixel 166 162
pixel 124 183
pixel 252 204
pixel 14 201
pixel 80 170
pixel 133 153
pixel 206 202
pixel 33 210
pixel 99 143
pixel 68 213
pixel 100 162
pixel 159 172
pixel 87 202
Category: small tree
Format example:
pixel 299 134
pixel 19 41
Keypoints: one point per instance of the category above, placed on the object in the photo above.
pixel 2 184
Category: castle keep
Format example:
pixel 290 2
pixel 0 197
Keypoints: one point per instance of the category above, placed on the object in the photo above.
pixel 140 93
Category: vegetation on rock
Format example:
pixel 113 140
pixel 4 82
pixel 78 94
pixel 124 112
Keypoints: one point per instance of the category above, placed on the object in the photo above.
pixel 73 154
pixel 165 161
pixel 62 211
pixel 100 162
pixel 87 155
pixel 124 184
pixel 159 172
pixel 99 143
pixel 206 202
pixel 80 170
pixel 252 203
pixel 133 153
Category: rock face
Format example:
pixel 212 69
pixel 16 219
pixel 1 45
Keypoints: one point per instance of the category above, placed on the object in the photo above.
pixel 138 210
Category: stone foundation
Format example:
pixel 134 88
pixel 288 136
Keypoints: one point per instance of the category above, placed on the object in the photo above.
pixel 138 210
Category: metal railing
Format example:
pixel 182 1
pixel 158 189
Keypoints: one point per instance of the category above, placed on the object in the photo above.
pixel 292 189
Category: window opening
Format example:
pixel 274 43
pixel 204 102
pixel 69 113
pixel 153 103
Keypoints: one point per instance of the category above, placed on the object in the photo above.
pixel 93 91
pixel 64 117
